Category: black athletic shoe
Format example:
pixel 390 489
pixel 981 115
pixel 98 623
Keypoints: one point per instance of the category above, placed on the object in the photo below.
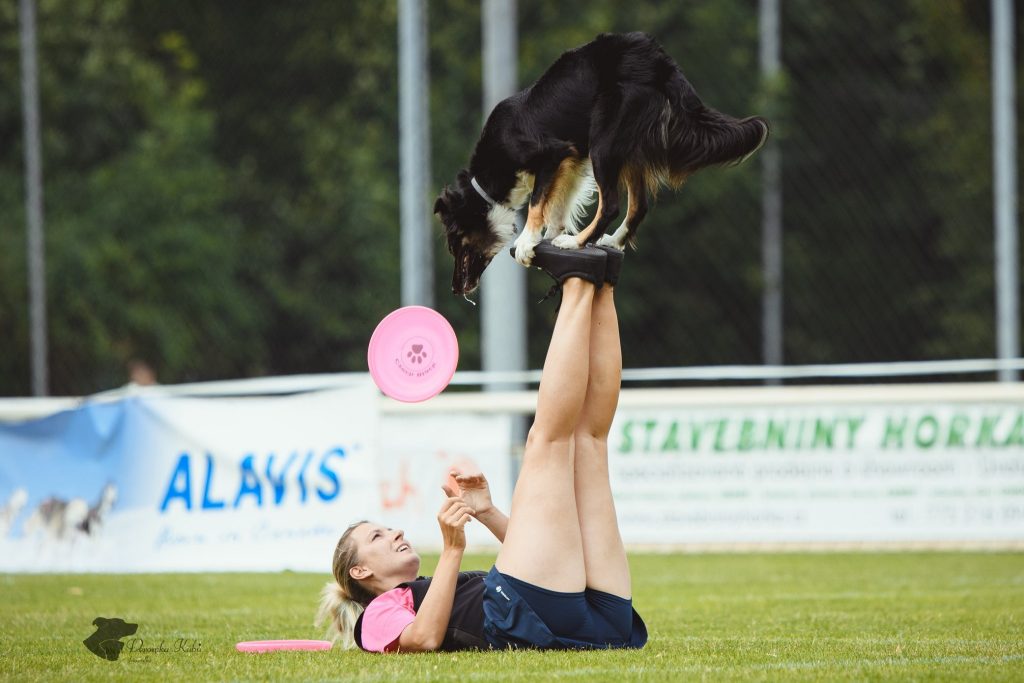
pixel 613 266
pixel 587 263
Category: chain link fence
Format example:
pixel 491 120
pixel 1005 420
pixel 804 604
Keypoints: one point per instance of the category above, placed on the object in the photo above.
pixel 221 184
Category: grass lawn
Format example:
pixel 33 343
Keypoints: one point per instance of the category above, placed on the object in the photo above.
pixel 820 617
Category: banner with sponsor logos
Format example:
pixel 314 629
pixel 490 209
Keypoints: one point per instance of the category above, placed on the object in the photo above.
pixel 165 483
pixel 195 484
pixel 820 473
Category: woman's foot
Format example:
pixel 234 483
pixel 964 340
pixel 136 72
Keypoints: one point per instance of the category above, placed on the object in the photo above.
pixel 613 264
pixel 587 263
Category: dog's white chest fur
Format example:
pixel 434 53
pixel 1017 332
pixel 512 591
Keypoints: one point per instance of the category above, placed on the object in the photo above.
pixel 520 192
pixel 502 216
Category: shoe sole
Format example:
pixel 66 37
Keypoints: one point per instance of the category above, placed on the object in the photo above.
pixel 587 263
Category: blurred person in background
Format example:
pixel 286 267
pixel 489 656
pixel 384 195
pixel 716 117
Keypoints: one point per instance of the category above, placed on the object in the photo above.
pixel 141 373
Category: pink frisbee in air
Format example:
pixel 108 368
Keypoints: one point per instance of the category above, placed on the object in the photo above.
pixel 278 645
pixel 413 354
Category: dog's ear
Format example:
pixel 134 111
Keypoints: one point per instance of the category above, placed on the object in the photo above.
pixel 447 204
pixel 442 205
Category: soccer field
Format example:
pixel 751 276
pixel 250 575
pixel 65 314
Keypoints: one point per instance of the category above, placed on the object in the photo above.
pixel 822 617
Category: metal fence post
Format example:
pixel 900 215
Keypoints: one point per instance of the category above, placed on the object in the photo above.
pixel 414 124
pixel 34 199
pixel 1004 155
pixel 771 199
pixel 503 287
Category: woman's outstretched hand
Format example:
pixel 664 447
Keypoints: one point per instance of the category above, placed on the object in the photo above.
pixel 452 518
pixel 473 489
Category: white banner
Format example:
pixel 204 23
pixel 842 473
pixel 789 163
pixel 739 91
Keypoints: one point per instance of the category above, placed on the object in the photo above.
pixel 169 484
pixel 820 473
pixel 153 483
pixel 196 484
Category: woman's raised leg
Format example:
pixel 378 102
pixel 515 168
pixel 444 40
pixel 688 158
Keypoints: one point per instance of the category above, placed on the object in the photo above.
pixel 603 553
pixel 543 545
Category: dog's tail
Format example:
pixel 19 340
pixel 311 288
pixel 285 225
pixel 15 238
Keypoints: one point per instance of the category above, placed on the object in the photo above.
pixel 714 139
pixel 697 136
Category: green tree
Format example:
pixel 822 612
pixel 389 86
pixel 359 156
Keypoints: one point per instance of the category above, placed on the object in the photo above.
pixel 142 259
pixel 222 183
pixel 954 55
pixel 305 101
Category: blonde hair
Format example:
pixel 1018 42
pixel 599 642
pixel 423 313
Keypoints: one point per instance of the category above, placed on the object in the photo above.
pixel 344 599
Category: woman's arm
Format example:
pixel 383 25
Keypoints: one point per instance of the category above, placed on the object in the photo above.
pixel 427 630
pixel 496 521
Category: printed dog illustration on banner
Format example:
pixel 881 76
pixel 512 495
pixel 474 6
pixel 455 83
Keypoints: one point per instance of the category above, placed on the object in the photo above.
pixel 98 512
pixel 10 511
pixel 60 519
pixel 56 518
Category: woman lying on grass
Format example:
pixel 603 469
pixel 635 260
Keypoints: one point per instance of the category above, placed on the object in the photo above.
pixel 561 579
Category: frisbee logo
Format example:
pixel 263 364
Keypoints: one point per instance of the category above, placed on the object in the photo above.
pixel 416 354
pixel 106 641
pixel 416 359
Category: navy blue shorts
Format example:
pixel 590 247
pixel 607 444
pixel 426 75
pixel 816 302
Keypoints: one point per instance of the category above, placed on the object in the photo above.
pixel 519 614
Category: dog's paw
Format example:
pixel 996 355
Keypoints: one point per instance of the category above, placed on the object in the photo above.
pixel 525 249
pixel 524 254
pixel 552 233
pixel 610 241
pixel 565 242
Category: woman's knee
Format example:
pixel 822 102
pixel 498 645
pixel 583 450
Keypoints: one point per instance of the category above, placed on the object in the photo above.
pixel 540 436
pixel 589 438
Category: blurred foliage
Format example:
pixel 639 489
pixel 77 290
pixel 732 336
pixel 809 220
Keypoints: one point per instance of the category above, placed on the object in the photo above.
pixel 221 183
pixel 142 255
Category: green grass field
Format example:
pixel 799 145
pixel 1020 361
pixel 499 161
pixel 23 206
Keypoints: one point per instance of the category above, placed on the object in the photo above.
pixel 821 617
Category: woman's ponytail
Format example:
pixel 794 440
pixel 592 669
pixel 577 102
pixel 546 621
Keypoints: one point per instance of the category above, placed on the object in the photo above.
pixel 340 612
pixel 344 599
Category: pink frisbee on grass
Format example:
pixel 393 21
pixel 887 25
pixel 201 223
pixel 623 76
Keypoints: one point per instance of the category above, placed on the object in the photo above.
pixel 259 646
pixel 413 354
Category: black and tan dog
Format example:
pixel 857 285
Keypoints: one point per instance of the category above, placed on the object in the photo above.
pixel 616 111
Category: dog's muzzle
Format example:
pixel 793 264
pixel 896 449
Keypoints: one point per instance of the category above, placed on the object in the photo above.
pixel 469 266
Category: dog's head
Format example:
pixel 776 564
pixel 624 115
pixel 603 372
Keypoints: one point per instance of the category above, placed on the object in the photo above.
pixel 475 231
pixel 114 628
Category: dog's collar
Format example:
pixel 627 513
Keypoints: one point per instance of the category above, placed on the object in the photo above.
pixel 480 191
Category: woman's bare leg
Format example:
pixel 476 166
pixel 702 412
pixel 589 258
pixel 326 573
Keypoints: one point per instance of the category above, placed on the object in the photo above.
pixel 603 553
pixel 543 545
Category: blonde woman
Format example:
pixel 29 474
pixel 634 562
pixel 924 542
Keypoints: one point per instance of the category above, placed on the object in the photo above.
pixel 561 579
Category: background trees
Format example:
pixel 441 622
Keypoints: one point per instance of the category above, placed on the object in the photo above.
pixel 221 183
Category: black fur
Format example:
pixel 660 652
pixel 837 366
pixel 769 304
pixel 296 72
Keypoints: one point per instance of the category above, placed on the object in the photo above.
pixel 619 100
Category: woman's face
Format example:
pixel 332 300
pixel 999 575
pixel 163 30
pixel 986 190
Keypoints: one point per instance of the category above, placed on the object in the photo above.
pixel 386 559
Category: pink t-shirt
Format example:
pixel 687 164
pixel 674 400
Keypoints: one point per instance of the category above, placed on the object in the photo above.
pixel 385 618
